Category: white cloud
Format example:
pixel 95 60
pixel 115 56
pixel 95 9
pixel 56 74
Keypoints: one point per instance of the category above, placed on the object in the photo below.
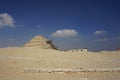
pixel 6 20
pixel 99 32
pixel 65 33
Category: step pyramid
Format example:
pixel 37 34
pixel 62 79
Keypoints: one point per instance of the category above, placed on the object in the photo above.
pixel 40 42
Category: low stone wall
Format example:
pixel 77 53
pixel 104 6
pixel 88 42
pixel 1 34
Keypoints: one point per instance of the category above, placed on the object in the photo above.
pixel 54 70
pixel 77 50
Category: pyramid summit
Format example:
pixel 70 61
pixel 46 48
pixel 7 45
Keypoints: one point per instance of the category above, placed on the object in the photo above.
pixel 40 42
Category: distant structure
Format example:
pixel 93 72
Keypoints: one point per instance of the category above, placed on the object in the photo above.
pixel 40 42
pixel 78 50
pixel 118 49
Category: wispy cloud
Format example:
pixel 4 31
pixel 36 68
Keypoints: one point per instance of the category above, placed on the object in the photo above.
pixel 118 38
pixel 101 40
pixel 6 20
pixel 38 26
pixel 99 32
pixel 65 33
pixel 11 39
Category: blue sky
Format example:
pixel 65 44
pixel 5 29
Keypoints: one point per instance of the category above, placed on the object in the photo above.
pixel 92 24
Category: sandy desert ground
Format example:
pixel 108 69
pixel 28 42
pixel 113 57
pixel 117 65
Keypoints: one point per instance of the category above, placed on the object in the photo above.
pixel 14 60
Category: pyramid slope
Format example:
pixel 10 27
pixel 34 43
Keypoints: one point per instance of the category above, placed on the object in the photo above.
pixel 40 42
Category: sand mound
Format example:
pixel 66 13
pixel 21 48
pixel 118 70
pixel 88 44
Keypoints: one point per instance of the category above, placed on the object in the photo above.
pixel 40 42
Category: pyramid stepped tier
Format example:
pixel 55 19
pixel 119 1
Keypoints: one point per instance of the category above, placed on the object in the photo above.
pixel 40 42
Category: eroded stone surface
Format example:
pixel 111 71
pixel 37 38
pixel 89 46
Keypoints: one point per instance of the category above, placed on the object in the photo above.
pixel 40 42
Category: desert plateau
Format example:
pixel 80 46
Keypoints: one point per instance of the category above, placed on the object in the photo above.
pixel 38 62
